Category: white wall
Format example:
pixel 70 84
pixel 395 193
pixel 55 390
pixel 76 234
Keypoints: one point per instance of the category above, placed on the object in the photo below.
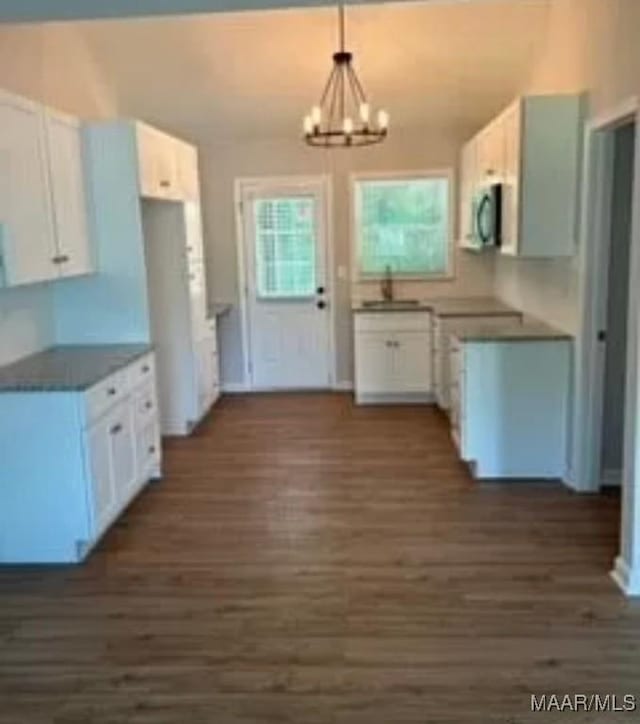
pixel 49 64
pixel 223 163
pixel 591 45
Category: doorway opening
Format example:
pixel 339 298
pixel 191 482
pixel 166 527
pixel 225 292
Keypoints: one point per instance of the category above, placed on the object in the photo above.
pixel 608 354
pixel 616 285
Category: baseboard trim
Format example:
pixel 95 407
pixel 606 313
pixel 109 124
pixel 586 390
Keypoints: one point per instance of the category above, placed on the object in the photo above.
pixel 343 386
pixel 234 388
pixel 611 478
pixel 626 578
pixel 411 398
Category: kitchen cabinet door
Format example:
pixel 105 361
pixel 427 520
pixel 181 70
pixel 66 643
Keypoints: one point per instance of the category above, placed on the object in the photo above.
pixel 512 163
pixel 64 146
pixel 468 161
pixel 188 176
pixel 26 223
pixel 198 301
pixel 412 362
pixel 101 483
pixel 374 363
pixel 158 164
pixel 122 450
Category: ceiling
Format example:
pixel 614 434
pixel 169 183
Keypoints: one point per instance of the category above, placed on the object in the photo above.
pixel 44 10
pixel 254 74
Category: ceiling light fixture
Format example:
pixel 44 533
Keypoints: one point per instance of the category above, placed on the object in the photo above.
pixel 343 117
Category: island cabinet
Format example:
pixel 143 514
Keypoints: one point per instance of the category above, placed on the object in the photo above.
pixel 64 481
pixel 509 402
pixel 43 209
pixel 393 357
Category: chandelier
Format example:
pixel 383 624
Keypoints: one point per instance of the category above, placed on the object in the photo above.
pixel 343 117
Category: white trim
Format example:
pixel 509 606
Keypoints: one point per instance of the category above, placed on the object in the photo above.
pixel 627 580
pixel 234 388
pixel 595 226
pixel 241 186
pixel 343 386
pixel 447 172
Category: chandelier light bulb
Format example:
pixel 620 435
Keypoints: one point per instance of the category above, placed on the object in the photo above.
pixel 308 125
pixel 365 112
pixel 347 126
pixel 383 120
pixel 316 115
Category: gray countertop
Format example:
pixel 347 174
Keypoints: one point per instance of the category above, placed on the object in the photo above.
pixel 68 368
pixel 531 330
pixel 443 307
pixel 471 307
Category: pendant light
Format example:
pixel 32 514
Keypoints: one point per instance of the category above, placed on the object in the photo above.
pixel 343 117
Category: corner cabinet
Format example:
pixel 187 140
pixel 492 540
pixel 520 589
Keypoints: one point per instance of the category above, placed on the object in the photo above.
pixel 43 213
pixel 393 357
pixel 533 149
pixel 64 481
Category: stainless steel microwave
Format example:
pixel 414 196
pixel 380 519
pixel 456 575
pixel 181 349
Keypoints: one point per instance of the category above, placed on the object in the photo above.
pixel 486 221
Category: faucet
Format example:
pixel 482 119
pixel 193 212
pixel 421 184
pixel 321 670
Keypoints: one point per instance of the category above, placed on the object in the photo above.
pixel 386 285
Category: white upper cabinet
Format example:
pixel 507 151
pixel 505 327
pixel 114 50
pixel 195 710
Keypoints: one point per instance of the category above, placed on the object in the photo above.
pixel 26 217
pixel 43 214
pixel 533 149
pixel 468 171
pixel 64 142
pixel 168 167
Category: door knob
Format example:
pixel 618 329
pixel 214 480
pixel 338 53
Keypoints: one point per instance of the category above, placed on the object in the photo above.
pixel 321 304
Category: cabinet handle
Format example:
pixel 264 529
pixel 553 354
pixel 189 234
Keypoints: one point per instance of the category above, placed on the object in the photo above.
pixel 62 259
pixel 111 391
pixel 165 184
pixel 116 429
pixel 146 369
pixel 152 449
pixel 149 405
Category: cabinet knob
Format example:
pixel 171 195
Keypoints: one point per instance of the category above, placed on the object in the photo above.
pixel 145 369
pixel 116 429
pixel 165 184
pixel 152 449
pixel 111 391
pixel 149 405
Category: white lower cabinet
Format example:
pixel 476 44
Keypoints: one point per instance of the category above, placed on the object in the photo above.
pixel 64 482
pixel 393 357
pixel 443 330
pixel 510 407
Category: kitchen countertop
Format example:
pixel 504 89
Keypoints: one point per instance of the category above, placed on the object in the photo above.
pixel 531 330
pixel 392 307
pixel 443 307
pixel 68 368
pixel 471 307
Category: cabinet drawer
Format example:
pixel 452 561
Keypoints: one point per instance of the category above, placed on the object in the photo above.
pixel 101 397
pixel 141 371
pixel 393 322
pixel 148 449
pixel 145 403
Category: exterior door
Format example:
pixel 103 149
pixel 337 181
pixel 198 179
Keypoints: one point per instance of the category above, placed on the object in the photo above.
pixel 288 302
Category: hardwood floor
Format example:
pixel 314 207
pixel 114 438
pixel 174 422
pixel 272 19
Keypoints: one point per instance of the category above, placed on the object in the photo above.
pixel 305 561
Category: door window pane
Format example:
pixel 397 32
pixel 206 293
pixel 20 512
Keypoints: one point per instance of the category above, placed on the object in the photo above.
pixel 285 237
pixel 403 224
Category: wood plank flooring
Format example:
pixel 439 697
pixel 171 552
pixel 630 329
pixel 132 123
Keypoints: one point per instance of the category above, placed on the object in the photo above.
pixel 305 561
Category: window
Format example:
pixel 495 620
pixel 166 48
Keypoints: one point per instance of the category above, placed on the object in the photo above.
pixel 403 223
pixel 285 247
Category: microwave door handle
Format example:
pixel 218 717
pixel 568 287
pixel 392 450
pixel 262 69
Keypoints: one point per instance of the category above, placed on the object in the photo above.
pixel 484 238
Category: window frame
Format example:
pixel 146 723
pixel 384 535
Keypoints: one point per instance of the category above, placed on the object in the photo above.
pixel 447 173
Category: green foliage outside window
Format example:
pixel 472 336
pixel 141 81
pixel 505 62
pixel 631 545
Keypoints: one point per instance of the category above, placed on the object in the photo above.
pixel 404 225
